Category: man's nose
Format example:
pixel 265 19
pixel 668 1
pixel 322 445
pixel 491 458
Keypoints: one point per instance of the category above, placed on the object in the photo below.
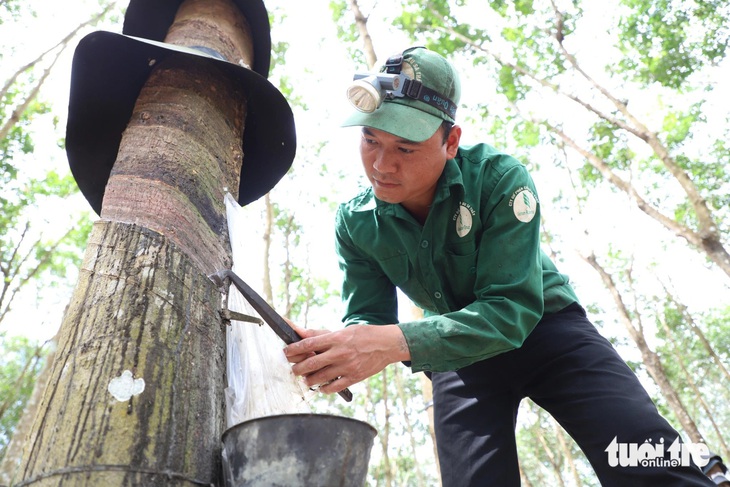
pixel 384 164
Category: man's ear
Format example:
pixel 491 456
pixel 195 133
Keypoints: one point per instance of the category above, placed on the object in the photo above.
pixel 452 142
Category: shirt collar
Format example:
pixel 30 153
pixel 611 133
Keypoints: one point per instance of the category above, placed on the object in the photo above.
pixel 449 178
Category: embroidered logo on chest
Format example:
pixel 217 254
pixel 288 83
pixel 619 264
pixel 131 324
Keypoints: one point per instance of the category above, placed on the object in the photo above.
pixel 464 218
pixel 524 204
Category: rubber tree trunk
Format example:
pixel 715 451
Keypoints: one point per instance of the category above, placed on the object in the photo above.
pixel 136 394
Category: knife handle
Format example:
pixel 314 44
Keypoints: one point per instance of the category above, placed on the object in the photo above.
pixel 345 394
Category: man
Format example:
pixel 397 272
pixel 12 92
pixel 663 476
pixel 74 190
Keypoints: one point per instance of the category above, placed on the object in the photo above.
pixel 457 229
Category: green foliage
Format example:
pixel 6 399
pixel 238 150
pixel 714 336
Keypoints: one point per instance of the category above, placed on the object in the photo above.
pixel 611 145
pixel 9 10
pixel 347 30
pixel 389 414
pixel 666 42
pixel 527 133
pixel 711 175
pixel 716 179
pixel 523 7
pixel 677 127
pixel 20 363
pixel 509 84
pixel 19 140
pixel 27 254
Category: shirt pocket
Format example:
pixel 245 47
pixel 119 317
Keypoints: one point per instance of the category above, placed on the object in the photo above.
pixel 396 268
pixel 460 274
pixel 461 247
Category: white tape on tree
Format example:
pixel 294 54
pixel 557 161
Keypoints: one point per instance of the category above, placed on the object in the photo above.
pixel 124 387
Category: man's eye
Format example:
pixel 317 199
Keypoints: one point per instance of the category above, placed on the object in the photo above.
pixel 405 150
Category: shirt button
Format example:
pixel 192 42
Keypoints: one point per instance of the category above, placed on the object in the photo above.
pixel 437 295
pixel 424 243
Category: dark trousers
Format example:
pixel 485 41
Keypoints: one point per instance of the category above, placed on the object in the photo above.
pixel 570 370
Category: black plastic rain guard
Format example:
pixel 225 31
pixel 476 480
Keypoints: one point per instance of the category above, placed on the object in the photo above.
pixel 297 450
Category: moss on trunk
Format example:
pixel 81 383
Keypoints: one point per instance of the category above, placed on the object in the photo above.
pixel 142 306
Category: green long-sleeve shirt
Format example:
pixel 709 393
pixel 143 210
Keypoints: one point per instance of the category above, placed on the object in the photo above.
pixel 475 265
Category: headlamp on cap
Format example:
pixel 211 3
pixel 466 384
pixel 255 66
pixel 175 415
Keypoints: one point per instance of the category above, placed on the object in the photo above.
pixel 369 90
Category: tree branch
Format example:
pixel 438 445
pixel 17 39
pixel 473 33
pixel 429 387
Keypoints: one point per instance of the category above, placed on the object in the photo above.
pixel 61 46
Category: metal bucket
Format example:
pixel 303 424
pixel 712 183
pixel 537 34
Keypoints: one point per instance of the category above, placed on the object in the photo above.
pixel 297 450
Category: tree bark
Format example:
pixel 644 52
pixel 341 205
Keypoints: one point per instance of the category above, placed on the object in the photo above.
pixel 136 394
pixel 141 305
pixel 182 150
pixel 361 21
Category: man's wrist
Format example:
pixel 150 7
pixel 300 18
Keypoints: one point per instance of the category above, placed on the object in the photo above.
pixel 401 352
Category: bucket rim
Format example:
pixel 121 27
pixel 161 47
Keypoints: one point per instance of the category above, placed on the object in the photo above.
pixel 272 417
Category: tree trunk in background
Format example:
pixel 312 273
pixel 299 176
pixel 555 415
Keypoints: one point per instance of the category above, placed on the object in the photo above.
pixel 567 454
pixel 398 379
pixel 136 390
pixel 14 453
pixel 552 460
pixel 268 232
pixel 699 397
pixel 361 22
pixel 385 437
pixel 692 324
pixel 651 360
pixel 427 389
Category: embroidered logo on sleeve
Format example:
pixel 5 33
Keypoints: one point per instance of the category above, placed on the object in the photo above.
pixel 524 204
pixel 464 219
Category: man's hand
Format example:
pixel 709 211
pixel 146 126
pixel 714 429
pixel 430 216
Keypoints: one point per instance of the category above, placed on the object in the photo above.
pixel 341 358
pixel 304 333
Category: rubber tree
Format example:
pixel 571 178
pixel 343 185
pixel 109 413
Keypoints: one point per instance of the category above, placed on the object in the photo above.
pixel 136 394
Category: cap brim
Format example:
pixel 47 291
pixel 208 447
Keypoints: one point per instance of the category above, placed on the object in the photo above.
pixel 400 120
pixel 108 73
pixel 152 19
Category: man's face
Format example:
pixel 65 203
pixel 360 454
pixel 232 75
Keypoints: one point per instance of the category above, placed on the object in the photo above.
pixel 403 171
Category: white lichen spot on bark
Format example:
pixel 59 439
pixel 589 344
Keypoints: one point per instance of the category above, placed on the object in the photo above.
pixel 125 386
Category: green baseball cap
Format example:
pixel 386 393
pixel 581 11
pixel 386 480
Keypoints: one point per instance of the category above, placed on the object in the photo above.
pixel 413 118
